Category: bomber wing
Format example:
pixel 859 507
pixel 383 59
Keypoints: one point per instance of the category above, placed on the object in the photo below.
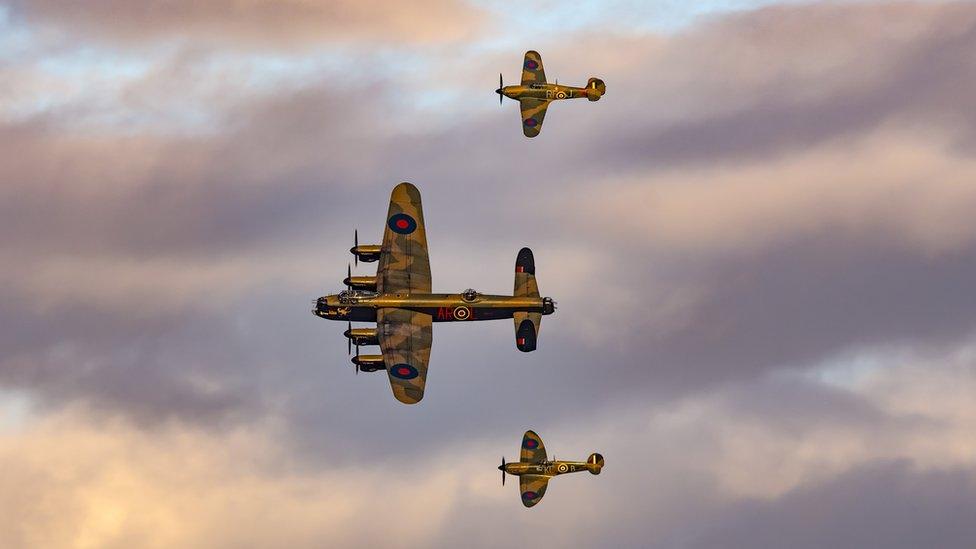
pixel 533 112
pixel 532 71
pixel 532 488
pixel 405 338
pixel 404 265
pixel 533 451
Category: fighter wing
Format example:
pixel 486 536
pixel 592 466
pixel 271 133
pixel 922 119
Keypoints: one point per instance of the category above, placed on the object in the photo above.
pixel 532 71
pixel 533 111
pixel 405 338
pixel 532 488
pixel 533 451
pixel 404 265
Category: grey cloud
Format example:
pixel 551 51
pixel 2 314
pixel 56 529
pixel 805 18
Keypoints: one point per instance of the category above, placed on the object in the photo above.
pixel 887 504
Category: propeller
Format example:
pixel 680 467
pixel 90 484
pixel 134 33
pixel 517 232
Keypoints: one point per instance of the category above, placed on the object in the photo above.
pixel 357 356
pixel 501 85
pixel 503 470
pixel 349 340
pixel 355 242
pixel 348 276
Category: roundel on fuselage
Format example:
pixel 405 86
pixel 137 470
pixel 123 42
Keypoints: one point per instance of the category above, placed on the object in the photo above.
pixel 402 223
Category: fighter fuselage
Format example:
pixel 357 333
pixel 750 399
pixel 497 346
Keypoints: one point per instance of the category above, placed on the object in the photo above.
pixel 546 468
pixel 545 91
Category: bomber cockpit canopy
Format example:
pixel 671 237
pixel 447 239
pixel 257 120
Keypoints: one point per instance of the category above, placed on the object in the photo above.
pixel 347 297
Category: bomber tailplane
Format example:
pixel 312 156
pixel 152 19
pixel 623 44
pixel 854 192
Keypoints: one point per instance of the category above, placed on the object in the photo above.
pixel 526 324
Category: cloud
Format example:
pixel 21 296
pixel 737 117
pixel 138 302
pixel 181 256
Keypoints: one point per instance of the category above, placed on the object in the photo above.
pixel 740 467
pixel 255 22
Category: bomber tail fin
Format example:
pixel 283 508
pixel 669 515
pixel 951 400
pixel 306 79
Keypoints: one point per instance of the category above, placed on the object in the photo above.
pixel 595 89
pixel 594 464
pixel 526 324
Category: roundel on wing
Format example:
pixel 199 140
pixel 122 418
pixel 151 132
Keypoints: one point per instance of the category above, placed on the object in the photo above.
pixel 403 371
pixel 529 495
pixel 402 223
pixel 531 64
pixel 530 443
pixel 531 122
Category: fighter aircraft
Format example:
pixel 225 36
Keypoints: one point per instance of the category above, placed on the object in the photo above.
pixel 399 300
pixel 534 94
pixel 534 470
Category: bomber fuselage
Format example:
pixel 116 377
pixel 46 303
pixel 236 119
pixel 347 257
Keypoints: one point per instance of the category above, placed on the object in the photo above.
pixel 361 306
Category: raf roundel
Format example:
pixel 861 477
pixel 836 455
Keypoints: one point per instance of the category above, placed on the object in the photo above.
pixel 531 122
pixel 403 371
pixel 530 444
pixel 531 64
pixel 530 495
pixel 402 223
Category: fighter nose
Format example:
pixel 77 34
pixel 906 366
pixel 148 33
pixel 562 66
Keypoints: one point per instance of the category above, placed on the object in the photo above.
pixel 501 467
pixel 498 91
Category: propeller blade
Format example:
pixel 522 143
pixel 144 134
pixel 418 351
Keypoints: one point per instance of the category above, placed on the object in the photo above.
pixel 500 86
pixel 503 470
pixel 348 276
pixel 355 242
pixel 357 356
pixel 349 341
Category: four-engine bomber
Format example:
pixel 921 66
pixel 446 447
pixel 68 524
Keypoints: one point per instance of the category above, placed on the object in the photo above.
pixel 399 300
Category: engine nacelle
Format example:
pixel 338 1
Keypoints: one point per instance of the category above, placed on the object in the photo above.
pixel 367 253
pixel 362 336
pixel 369 363
pixel 367 283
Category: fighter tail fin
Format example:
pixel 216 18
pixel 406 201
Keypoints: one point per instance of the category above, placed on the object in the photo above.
pixel 594 464
pixel 595 89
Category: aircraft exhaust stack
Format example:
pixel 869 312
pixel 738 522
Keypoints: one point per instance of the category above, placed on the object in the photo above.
pixel 594 464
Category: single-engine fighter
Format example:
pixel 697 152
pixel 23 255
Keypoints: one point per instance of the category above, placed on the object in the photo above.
pixel 399 300
pixel 534 94
pixel 534 470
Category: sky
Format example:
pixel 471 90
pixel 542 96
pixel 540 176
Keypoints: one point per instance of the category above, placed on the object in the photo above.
pixel 761 243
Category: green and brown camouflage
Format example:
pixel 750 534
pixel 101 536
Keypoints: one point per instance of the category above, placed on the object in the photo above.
pixel 534 94
pixel 399 300
pixel 534 469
